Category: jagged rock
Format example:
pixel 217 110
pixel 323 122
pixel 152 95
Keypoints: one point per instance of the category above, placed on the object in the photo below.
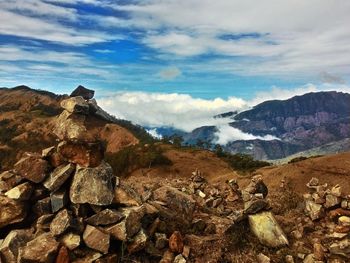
pixel 87 154
pixel 313 182
pixel 58 177
pixel 33 168
pixel 267 230
pixel 9 180
pixel 176 244
pixel 181 204
pixel 118 231
pixel 11 211
pixel 254 206
pixel 138 242
pixel 71 241
pixel 319 251
pixel 42 207
pixel 105 217
pixel 161 240
pixel 42 249
pixel 48 151
pixel 75 105
pixel 70 126
pixel 96 239
pixel 21 192
pixel 332 200
pixel 125 195
pixel 63 256
pixel 61 222
pixel 263 258
pixel 336 191
pixel 341 247
pixel 13 241
pixel 315 211
pixel 43 223
pixel 98 111
pixel 168 257
pixel 58 199
pixel 87 94
pixel 92 185
pixel 179 259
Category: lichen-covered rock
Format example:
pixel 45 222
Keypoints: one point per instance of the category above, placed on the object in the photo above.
pixel 32 168
pixel 70 126
pixel 96 239
pixel 21 192
pixel 92 185
pixel 315 211
pixel 61 222
pixel 267 230
pixel 11 211
pixel 59 176
pixel 42 249
pixel 125 195
pixel 75 105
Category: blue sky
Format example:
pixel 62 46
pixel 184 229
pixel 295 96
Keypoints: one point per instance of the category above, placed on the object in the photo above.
pixel 206 49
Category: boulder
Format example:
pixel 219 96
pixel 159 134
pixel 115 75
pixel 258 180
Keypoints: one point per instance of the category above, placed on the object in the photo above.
pixel 267 230
pixel 70 126
pixel 138 242
pixel 176 244
pixel 21 192
pixel 92 185
pixel 81 91
pixel 71 240
pixel 105 217
pixel 42 224
pixel 180 204
pixel 13 241
pixel 42 249
pixel 58 199
pixel 96 239
pixel 32 168
pixel 75 105
pixel 85 154
pixel 61 222
pixel 11 211
pixel 59 176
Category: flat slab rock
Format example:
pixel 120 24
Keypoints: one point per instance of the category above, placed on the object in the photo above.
pixel 92 185
pixel 87 94
pixel 96 239
pixel 33 168
pixel 59 176
pixel 105 217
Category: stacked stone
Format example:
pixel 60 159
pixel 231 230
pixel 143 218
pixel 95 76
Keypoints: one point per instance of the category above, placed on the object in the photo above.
pixel 68 206
pixel 330 205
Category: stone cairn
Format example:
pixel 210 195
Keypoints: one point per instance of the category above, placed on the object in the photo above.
pixel 66 205
pixel 328 223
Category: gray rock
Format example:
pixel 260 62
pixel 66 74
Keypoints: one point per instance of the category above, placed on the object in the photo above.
pixel 96 239
pixel 87 94
pixel 32 168
pixel 92 185
pixel 61 222
pixel 59 199
pixel 42 249
pixel 105 217
pixel 75 105
pixel 59 176
pixel 21 192
pixel 11 211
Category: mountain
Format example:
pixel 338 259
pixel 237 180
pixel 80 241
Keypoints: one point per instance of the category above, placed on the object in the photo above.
pixel 299 124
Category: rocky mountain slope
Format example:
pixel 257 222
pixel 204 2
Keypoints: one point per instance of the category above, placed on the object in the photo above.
pixel 67 204
pixel 300 123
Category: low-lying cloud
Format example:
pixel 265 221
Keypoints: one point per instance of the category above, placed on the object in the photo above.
pixel 184 112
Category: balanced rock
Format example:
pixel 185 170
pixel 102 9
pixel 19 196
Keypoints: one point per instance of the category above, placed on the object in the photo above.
pixel 21 192
pixel 61 222
pixel 105 217
pixel 13 241
pixel 75 105
pixel 267 230
pixel 33 168
pixel 70 126
pixel 92 185
pixel 96 239
pixel 87 94
pixel 59 176
pixel 11 211
pixel 85 154
pixel 42 249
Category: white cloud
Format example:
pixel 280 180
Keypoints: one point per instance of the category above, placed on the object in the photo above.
pixel 170 73
pixel 154 133
pixel 226 134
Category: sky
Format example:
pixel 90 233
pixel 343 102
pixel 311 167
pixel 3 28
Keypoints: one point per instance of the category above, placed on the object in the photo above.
pixel 200 56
